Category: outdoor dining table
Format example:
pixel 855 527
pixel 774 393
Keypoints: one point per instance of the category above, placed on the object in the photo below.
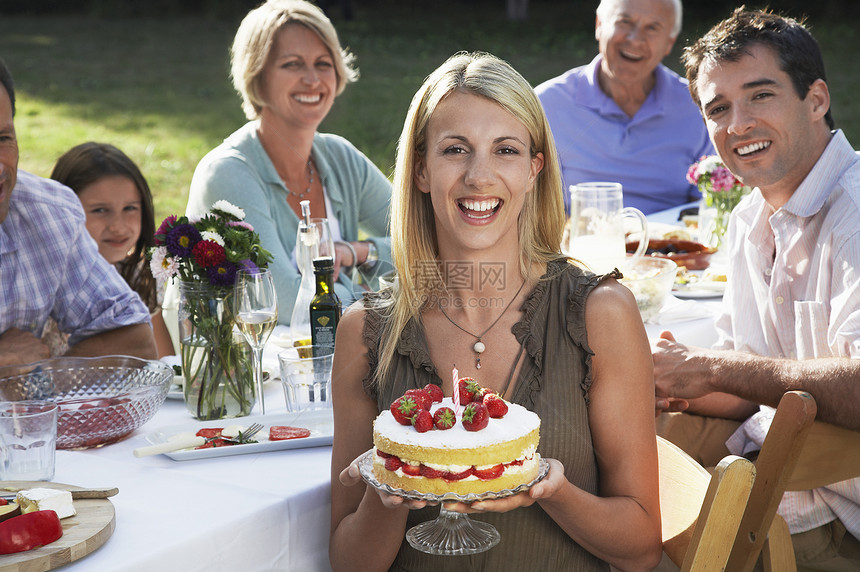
pixel 262 511
pixel 248 512
pixel 699 330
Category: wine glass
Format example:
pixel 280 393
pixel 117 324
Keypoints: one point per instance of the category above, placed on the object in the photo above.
pixel 255 307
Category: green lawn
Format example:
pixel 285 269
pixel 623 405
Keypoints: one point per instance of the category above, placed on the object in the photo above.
pixel 159 89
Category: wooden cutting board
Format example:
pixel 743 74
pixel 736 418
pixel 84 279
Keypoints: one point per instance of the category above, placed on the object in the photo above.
pixel 83 533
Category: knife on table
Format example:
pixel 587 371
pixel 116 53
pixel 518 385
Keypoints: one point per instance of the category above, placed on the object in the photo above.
pixel 101 493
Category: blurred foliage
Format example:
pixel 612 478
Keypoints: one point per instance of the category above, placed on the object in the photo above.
pixel 153 78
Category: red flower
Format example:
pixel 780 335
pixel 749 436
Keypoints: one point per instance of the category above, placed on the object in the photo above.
pixel 207 253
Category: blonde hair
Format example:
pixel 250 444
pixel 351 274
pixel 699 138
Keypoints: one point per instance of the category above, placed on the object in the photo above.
pixel 413 233
pixel 256 36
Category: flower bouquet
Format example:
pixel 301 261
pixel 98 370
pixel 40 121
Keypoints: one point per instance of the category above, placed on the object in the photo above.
pixel 721 191
pixel 204 255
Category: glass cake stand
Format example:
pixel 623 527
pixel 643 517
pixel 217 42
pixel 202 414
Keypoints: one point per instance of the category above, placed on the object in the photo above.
pixel 452 533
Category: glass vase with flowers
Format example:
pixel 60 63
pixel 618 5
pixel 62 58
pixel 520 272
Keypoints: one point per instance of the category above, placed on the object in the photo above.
pixel 721 193
pixel 203 255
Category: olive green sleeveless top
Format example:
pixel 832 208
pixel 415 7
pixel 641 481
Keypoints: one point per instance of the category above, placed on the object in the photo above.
pixel 553 382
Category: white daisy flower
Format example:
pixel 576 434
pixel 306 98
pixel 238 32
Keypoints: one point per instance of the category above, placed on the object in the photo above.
pixel 229 208
pixel 213 236
pixel 163 267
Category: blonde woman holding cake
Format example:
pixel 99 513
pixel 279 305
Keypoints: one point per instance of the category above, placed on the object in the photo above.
pixel 482 285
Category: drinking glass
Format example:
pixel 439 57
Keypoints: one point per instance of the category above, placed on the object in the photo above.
pixel 28 440
pixel 597 235
pixel 306 377
pixel 255 307
pixel 317 240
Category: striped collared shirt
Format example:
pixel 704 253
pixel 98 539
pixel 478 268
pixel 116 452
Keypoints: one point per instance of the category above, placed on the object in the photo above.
pixel 794 292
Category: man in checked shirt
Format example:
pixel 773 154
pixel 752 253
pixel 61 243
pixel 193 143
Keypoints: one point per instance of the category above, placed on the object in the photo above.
pixel 51 267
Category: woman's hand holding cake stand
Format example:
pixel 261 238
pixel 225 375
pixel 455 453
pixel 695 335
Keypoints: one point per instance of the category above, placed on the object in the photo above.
pixel 543 489
pixel 351 476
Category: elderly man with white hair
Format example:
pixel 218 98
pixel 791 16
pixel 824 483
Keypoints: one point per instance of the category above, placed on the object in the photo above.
pixel 625 117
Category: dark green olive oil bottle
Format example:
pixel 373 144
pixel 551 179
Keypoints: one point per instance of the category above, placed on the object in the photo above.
pixel 325 307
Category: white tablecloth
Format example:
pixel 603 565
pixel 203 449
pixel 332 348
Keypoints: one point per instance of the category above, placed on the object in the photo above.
pixel 695 332
pixel 267 511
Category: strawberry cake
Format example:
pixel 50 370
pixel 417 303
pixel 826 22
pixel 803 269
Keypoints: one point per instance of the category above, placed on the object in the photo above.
pixel 434 445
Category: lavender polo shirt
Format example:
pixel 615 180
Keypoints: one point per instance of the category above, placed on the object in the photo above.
pixel 649 154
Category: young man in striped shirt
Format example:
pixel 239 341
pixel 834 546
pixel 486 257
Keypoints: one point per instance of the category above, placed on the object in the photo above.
pixel 791 312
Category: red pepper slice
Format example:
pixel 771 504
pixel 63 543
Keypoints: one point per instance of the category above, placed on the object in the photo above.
pixel 283 432
pixel 209 432
pixel 29 531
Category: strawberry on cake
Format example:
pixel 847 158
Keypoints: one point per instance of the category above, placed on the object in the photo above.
pixel 479 444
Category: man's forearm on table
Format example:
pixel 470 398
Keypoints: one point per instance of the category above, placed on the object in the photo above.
pixel 136 340
pixel 833 382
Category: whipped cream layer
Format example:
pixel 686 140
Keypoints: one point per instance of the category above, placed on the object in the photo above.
pixel 517 422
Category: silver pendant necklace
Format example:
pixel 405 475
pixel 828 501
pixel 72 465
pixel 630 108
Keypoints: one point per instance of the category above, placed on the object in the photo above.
pixel 479 346
pixel 310 183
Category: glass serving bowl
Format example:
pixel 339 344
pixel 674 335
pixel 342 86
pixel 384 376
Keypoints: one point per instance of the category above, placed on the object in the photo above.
pixel 102 399
pixel 650 279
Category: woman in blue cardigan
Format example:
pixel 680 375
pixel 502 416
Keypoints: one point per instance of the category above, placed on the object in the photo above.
pixel 288 65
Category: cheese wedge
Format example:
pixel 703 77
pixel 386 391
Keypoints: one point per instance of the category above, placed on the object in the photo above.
pixel 56 500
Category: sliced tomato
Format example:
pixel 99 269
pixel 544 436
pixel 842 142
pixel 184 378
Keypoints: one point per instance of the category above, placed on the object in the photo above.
pixel 282 432
pixel 208 433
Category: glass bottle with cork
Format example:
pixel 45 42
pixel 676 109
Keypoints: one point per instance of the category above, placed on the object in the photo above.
pixel 325 308
pixel 307 248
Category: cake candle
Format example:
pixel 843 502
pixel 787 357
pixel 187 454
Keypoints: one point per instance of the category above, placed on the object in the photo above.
pixel 456 391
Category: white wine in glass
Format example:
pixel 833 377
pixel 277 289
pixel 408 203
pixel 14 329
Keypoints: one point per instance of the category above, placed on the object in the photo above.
pixel 255 307
pixel 256 326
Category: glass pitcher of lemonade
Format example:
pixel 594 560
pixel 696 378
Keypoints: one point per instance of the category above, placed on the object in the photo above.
pixel 597 230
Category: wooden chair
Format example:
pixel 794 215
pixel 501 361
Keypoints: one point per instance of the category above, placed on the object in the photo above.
pixel 775 464
pixel 797 454
pixel 701 513
pixel 830 454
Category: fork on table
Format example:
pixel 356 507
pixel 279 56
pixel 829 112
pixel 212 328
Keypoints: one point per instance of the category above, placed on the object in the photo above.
pixel 188 442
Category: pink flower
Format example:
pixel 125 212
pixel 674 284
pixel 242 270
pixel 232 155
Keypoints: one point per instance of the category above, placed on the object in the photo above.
pixel 241 224
pixel 722 179
pixel 163 229
pixel 693 174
